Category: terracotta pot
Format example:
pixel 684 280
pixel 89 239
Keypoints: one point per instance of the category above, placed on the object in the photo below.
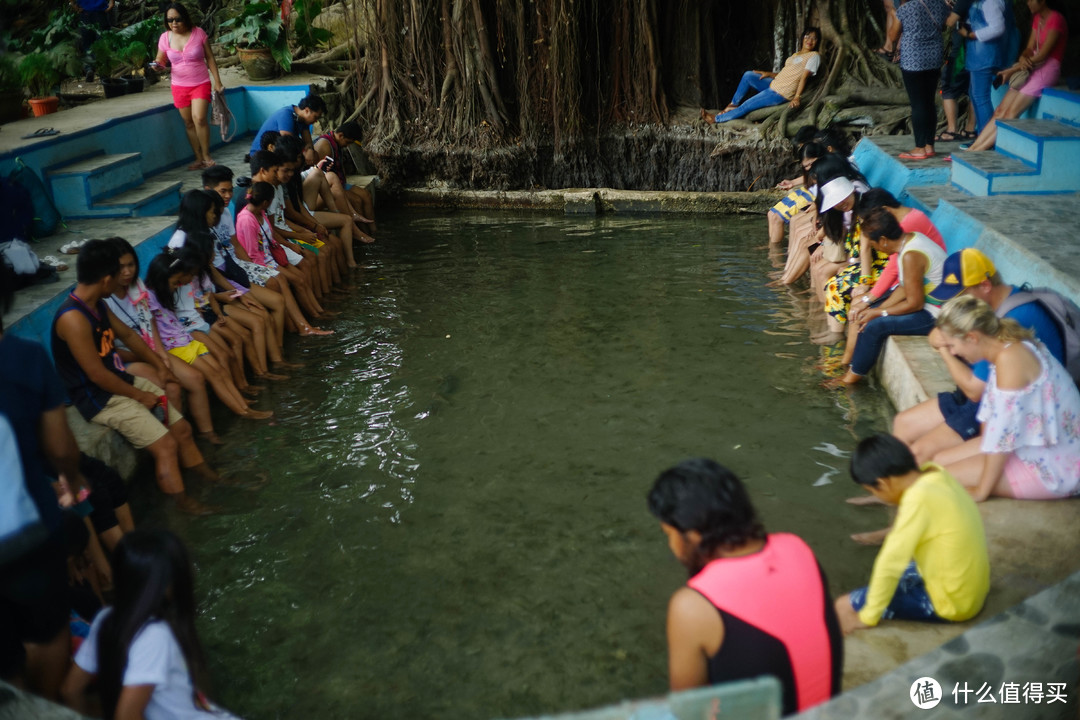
pixel 258 63
pixel 44 106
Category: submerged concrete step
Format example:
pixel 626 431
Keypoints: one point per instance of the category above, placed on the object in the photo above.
pixel 76 186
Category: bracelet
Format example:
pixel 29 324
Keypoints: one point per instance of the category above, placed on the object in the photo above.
pixel 884 313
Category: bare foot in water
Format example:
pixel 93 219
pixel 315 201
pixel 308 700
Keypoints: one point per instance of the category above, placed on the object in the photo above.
pixel 282 365
pixel 211 437
pixel 875 537
pixel 311 330
pixel 272 377
pixel 257 414
pixel 190 506
pixel 864 500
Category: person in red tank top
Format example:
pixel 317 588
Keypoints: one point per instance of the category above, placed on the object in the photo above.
pixel 756 604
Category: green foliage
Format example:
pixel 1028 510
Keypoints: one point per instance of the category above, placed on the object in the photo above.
pixel 62 26
pixel 66 59
pixel 307 36
pixel 136 54
pixel 146 32
pixel 10 81
pixel 39 74
pixel 106 54
pixel 259 25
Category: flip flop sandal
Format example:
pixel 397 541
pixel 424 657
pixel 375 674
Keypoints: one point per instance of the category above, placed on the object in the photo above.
pixel 40 133
pixel 911 156
pixel 55 263
pixel 72 248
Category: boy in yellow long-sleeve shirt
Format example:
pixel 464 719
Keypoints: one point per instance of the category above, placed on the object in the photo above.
pixel 934 565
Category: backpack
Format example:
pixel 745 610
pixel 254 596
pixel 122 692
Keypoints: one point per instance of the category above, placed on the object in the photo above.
pixel 16 210
pixel 1066 316
pixel 46 217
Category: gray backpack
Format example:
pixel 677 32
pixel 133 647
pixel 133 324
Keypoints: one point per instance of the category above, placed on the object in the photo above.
pixel 1066 316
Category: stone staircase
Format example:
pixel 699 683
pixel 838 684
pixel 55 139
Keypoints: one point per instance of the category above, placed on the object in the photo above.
pixel 110 186
pixel 1038 155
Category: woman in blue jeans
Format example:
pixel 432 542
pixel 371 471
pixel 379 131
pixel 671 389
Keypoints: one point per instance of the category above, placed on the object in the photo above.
pixel 908 310
pixel 990 32
pixel 774 88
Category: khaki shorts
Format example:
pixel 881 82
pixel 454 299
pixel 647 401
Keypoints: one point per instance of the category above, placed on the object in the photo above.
pixel 130 418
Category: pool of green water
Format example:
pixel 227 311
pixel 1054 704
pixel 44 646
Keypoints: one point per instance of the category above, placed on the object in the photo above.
pixel 455 523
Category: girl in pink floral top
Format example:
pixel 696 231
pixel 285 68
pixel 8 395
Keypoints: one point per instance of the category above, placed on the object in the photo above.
pixel 130 304
pixel 1030 444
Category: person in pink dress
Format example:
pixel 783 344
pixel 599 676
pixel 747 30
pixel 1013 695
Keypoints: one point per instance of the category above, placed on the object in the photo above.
pixel 185 49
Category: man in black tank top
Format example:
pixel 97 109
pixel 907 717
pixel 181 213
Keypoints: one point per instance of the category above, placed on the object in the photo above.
pixel 83 334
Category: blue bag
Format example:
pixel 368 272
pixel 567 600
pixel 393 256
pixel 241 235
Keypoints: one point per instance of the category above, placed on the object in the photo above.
pixel 46 216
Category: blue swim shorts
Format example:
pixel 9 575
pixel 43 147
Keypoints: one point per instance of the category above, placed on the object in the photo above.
pixel 909 602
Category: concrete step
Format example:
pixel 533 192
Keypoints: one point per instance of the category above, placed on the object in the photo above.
pixel 878 158
pixel 1036 141
pixel 157 197
pixel 76 186
pixel 926 197
pixel 991 173
pixel 1060 104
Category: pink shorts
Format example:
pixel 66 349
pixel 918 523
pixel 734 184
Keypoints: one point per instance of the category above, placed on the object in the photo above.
pixel 1041 78
pixel 182 96
pixel 1025 482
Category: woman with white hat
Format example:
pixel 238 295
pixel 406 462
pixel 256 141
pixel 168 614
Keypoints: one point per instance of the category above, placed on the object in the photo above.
pixel 863 264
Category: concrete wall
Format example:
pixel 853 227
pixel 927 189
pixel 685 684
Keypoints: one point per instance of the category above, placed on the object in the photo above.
pixel 157 133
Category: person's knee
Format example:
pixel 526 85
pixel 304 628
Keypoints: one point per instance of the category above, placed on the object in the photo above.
pixel 164 448
pixel 181 431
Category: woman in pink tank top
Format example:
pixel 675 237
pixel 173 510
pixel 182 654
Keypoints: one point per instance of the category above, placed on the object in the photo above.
pixel 185 49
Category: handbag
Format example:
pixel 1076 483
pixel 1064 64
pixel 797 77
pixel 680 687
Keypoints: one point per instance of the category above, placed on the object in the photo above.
pixel 276 251
pixel 834 252
pixel 233 271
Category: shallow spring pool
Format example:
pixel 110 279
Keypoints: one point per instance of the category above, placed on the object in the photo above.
pixel 455 523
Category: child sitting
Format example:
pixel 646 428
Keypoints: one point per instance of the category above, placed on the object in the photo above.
pixel 934 565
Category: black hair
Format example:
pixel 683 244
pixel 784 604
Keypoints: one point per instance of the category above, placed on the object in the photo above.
pixel 185 16
pixel 881 456
pixel 702 495
pixel 216 174
pixel 199 241
pixel 97 259
pixel 289 150
pixel 168 263
pixel 268 138
pixel 833 165
pixel 260 193
pixel 813 150
pixel 352 131
pixel 880 224
pixel 817 31
pixel 125 249
pixel 836 139
pixel 153 580
pixel 263 160
pixel 312 102
pixel 875 198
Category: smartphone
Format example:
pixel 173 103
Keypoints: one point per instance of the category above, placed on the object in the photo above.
pixel 161 410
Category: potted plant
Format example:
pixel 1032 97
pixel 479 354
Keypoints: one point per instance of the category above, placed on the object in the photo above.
pixel 11 97
pixel 40 76
pixel 260 39
pixel 136 55
pixel 146 33
pixel 106 62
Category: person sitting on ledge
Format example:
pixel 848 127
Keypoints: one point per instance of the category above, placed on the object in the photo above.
pixel 1030 411
pixel 785 86
pixel 102 390
pixel 934 565
pixel 755 604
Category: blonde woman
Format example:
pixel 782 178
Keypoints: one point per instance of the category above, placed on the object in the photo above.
pixel 1030 412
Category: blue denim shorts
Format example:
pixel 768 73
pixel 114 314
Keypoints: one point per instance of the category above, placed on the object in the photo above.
pixel 909 602
pixel 959 413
